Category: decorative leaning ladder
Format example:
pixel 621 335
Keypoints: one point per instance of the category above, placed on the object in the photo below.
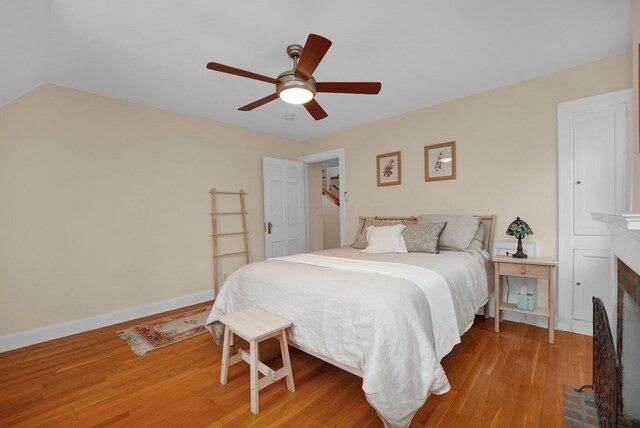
pixel 217 234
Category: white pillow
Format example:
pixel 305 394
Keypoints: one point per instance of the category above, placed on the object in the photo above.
pixel 385 239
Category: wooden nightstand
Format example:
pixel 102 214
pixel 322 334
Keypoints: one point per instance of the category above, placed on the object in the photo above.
pixel 533 267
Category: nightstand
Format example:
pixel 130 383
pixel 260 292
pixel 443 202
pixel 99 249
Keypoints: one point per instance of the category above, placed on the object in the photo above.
pixel 532 267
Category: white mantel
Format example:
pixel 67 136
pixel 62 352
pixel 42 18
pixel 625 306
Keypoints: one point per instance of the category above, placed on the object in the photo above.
pixel 626 232
pixel 628 221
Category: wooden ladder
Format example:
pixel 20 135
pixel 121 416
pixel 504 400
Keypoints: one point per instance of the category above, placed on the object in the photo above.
pixel 216 234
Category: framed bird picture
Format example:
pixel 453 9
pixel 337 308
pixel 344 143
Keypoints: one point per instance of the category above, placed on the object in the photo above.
pixel 440 161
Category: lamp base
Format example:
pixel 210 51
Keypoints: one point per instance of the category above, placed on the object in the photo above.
pixel 519 254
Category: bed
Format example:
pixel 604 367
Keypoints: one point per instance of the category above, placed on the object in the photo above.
pixel 374 315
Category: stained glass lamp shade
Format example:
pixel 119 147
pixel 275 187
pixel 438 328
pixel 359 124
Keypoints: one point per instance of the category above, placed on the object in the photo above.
pixel 519 229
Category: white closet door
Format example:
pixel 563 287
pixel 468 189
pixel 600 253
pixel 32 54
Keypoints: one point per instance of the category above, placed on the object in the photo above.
pixel 592 277
pixel 597 134
pixel 593 176
pixel 284 209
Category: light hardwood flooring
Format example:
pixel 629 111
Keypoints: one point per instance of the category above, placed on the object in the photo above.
pixel 515 378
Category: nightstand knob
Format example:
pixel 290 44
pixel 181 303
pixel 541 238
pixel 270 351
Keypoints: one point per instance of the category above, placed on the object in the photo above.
pixel 578 182
pixel 523 269
pixel 578 284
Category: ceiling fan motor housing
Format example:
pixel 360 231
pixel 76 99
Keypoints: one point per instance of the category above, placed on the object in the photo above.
pixel 289 80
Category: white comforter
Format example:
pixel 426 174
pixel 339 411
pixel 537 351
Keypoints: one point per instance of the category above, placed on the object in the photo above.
pixel 375 321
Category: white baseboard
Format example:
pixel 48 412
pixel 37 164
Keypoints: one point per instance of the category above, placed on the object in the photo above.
pixel 43 334
pixel 583 327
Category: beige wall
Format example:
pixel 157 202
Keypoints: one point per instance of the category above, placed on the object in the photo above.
pixel 316 237
pixel 330 224
pixel 105 203
pixel 635 146
pixel 506 152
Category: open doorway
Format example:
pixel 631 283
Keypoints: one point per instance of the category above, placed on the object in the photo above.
pixel 325 198
pixel 324 204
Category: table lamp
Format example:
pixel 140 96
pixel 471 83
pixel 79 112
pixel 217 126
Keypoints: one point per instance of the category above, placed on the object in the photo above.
pixel 519 229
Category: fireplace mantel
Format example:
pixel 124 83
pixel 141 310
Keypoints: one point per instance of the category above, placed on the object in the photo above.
pixel 628 221
pixel 626 231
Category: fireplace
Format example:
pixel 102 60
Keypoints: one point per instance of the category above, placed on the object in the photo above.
pixel 625 229
pixel 628 341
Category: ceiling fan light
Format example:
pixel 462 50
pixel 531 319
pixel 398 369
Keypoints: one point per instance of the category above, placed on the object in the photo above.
pixel 296 95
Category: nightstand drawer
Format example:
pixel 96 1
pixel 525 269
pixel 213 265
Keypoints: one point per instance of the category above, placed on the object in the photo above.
pixel 524 270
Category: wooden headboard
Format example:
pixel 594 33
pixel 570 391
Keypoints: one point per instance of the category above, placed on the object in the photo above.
pixel 489 222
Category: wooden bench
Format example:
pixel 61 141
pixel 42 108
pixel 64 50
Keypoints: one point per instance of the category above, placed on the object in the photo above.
pixel 254 326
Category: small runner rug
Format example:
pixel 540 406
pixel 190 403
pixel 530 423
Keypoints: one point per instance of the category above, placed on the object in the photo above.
pixel 166 331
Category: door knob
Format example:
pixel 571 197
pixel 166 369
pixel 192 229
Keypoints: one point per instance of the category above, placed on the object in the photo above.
pixel 578 284
pixel 578 182
pixel 269 227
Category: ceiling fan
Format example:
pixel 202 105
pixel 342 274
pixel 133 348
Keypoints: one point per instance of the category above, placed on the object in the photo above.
pixel 297 86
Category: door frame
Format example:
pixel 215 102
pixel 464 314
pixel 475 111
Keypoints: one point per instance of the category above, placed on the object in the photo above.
pixel 342 180
pixel 565 201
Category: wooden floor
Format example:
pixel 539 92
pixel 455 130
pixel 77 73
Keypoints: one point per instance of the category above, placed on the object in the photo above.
pixel 510 379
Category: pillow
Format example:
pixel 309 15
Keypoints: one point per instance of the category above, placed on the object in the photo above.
pixel 385 239
pixel 477 243
pixel 459 231
pixel 422 238
pixel 361 239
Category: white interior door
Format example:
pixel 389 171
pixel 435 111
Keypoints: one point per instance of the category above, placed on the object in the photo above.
pixel 284 207
pixel 593 175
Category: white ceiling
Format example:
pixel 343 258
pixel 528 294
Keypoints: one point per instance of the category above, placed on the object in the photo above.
pixel 154 52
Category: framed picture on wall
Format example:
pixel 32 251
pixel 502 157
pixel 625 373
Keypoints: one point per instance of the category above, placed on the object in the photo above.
pixel 389 169
pixel 440 161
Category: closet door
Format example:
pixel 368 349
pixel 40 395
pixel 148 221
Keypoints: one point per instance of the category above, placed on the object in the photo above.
pixel 597 181
pixel 591 273
pixel 593 175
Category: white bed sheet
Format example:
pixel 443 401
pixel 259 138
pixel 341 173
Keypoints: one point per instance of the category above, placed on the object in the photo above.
pixel 375 323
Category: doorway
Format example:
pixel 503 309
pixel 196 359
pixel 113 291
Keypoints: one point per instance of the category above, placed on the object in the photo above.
pixel 325 198
pixel 323 194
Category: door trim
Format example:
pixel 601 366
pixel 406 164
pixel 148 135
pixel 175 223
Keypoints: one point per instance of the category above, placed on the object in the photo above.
pixel 565 196
pixel 342 181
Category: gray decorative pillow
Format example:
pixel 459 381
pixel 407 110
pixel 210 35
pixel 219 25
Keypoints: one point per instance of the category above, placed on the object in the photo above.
pixel 477 243
pixel 459 232
pixel 423 238
pixel 361 239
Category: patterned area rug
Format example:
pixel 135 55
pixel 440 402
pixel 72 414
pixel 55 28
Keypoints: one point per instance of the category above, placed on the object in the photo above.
pixel 165 331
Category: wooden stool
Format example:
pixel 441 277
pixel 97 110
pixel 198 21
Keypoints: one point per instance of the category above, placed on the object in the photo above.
pixel 254 326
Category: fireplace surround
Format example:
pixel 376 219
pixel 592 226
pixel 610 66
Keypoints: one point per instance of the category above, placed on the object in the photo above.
pixel 625 229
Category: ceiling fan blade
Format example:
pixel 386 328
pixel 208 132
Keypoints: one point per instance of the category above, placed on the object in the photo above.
pixel 312 53
pixel 238 72
pixel 349 87
pixel 258 103
pixel 315 110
